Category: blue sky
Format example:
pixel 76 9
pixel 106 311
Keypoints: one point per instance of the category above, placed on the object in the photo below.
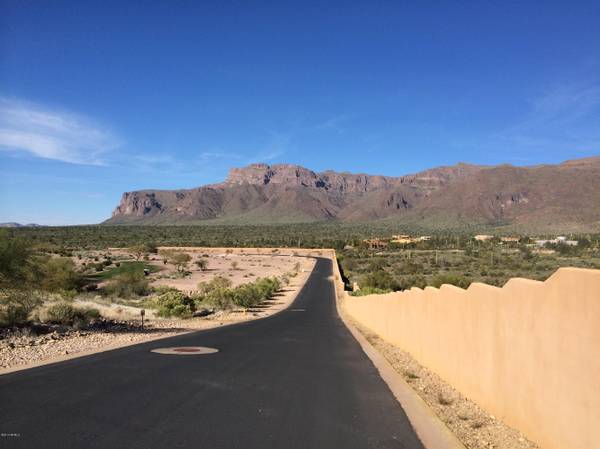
pixel 97 98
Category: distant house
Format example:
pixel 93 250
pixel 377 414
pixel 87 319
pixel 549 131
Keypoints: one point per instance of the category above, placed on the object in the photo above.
pixel 400 237
pixel 512 239
pixel 403 239
pixel 483 237
pixel 376 243
pixel 560 239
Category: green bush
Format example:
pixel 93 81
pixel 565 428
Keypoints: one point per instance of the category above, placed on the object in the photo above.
pixel 252 294
pixel 452 279
pixel 58 275
pixel 160 289
pixel 409 282
pixel 131 281
pixel 15 261
pixel 369 291
pixel 216 283
pixel 267 287
pixel 219 294
pixel 66 314
pixel 202 264
pixel 221 298
pixel 13 315
pixel 140 250
pixel 175 303
pixel 380 280
pixel 16 306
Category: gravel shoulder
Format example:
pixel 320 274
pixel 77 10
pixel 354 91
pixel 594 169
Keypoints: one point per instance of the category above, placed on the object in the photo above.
pixel 22 349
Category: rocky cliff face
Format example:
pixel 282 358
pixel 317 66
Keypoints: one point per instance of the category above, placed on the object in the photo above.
pixel 296 176
pixel 567 193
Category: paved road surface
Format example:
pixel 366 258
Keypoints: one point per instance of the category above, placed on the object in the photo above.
pixel 295 380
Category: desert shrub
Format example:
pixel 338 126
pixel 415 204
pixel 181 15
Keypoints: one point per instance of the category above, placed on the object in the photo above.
pixel 215 283
pixel 369 291
pixel 160 289
pixel 216 293
pixel 267 287
pixel 15 261
pixel 13 314
pixel 380 280
pixel 221 298
pixel 16 306
pixel 131 281
pixel 141 250
pixel 98 267
pixel 452 279
pixel 58 274
pixel 66 314
pixel 246 295
pixel 177 258
pixel 409 282
pixel 378 264
pixel 219 294
pixel 202 264
pixel 175 303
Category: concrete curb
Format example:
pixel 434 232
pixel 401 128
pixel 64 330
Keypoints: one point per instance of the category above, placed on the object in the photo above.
pixel 432 432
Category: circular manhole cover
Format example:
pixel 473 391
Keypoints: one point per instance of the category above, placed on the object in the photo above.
pixel 185 350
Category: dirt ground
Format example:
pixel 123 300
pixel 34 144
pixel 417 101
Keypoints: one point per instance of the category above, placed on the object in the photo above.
pixel 239 268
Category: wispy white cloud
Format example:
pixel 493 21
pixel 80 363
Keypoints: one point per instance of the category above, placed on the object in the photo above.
pixel 562 119
pixel 168 163
pixel 566 104
pixel 207 156
pixel 334 123
pixel 278 144
pixel 53 134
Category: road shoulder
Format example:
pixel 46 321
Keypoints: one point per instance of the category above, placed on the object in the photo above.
pixel 432 432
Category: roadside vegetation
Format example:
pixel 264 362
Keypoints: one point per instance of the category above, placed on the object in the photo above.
pixel 460 261
pixel 29 278
pixel 217 294
pixel 41 265
pixel 41 283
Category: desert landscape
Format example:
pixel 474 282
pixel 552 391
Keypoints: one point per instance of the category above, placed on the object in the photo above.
pixel 299 225
pixel 117 320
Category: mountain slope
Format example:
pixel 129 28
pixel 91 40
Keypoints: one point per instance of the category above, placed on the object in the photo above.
pixel 564 196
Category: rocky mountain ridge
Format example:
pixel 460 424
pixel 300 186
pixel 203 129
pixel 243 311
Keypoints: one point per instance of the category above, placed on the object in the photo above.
pixel 566 194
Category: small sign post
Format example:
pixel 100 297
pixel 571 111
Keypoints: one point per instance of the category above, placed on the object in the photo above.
pixel 142 313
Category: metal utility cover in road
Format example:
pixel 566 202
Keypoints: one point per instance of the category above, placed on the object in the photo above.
pixel 185 350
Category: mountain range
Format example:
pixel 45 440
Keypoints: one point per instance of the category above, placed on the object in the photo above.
pixel 564 196
pixel 12 224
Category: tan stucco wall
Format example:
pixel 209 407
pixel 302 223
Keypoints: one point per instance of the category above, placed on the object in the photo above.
pixel 529 352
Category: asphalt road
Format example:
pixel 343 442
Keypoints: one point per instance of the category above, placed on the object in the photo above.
pixel 297 379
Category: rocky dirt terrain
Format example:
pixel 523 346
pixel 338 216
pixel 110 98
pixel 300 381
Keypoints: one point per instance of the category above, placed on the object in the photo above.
pixel 237 266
